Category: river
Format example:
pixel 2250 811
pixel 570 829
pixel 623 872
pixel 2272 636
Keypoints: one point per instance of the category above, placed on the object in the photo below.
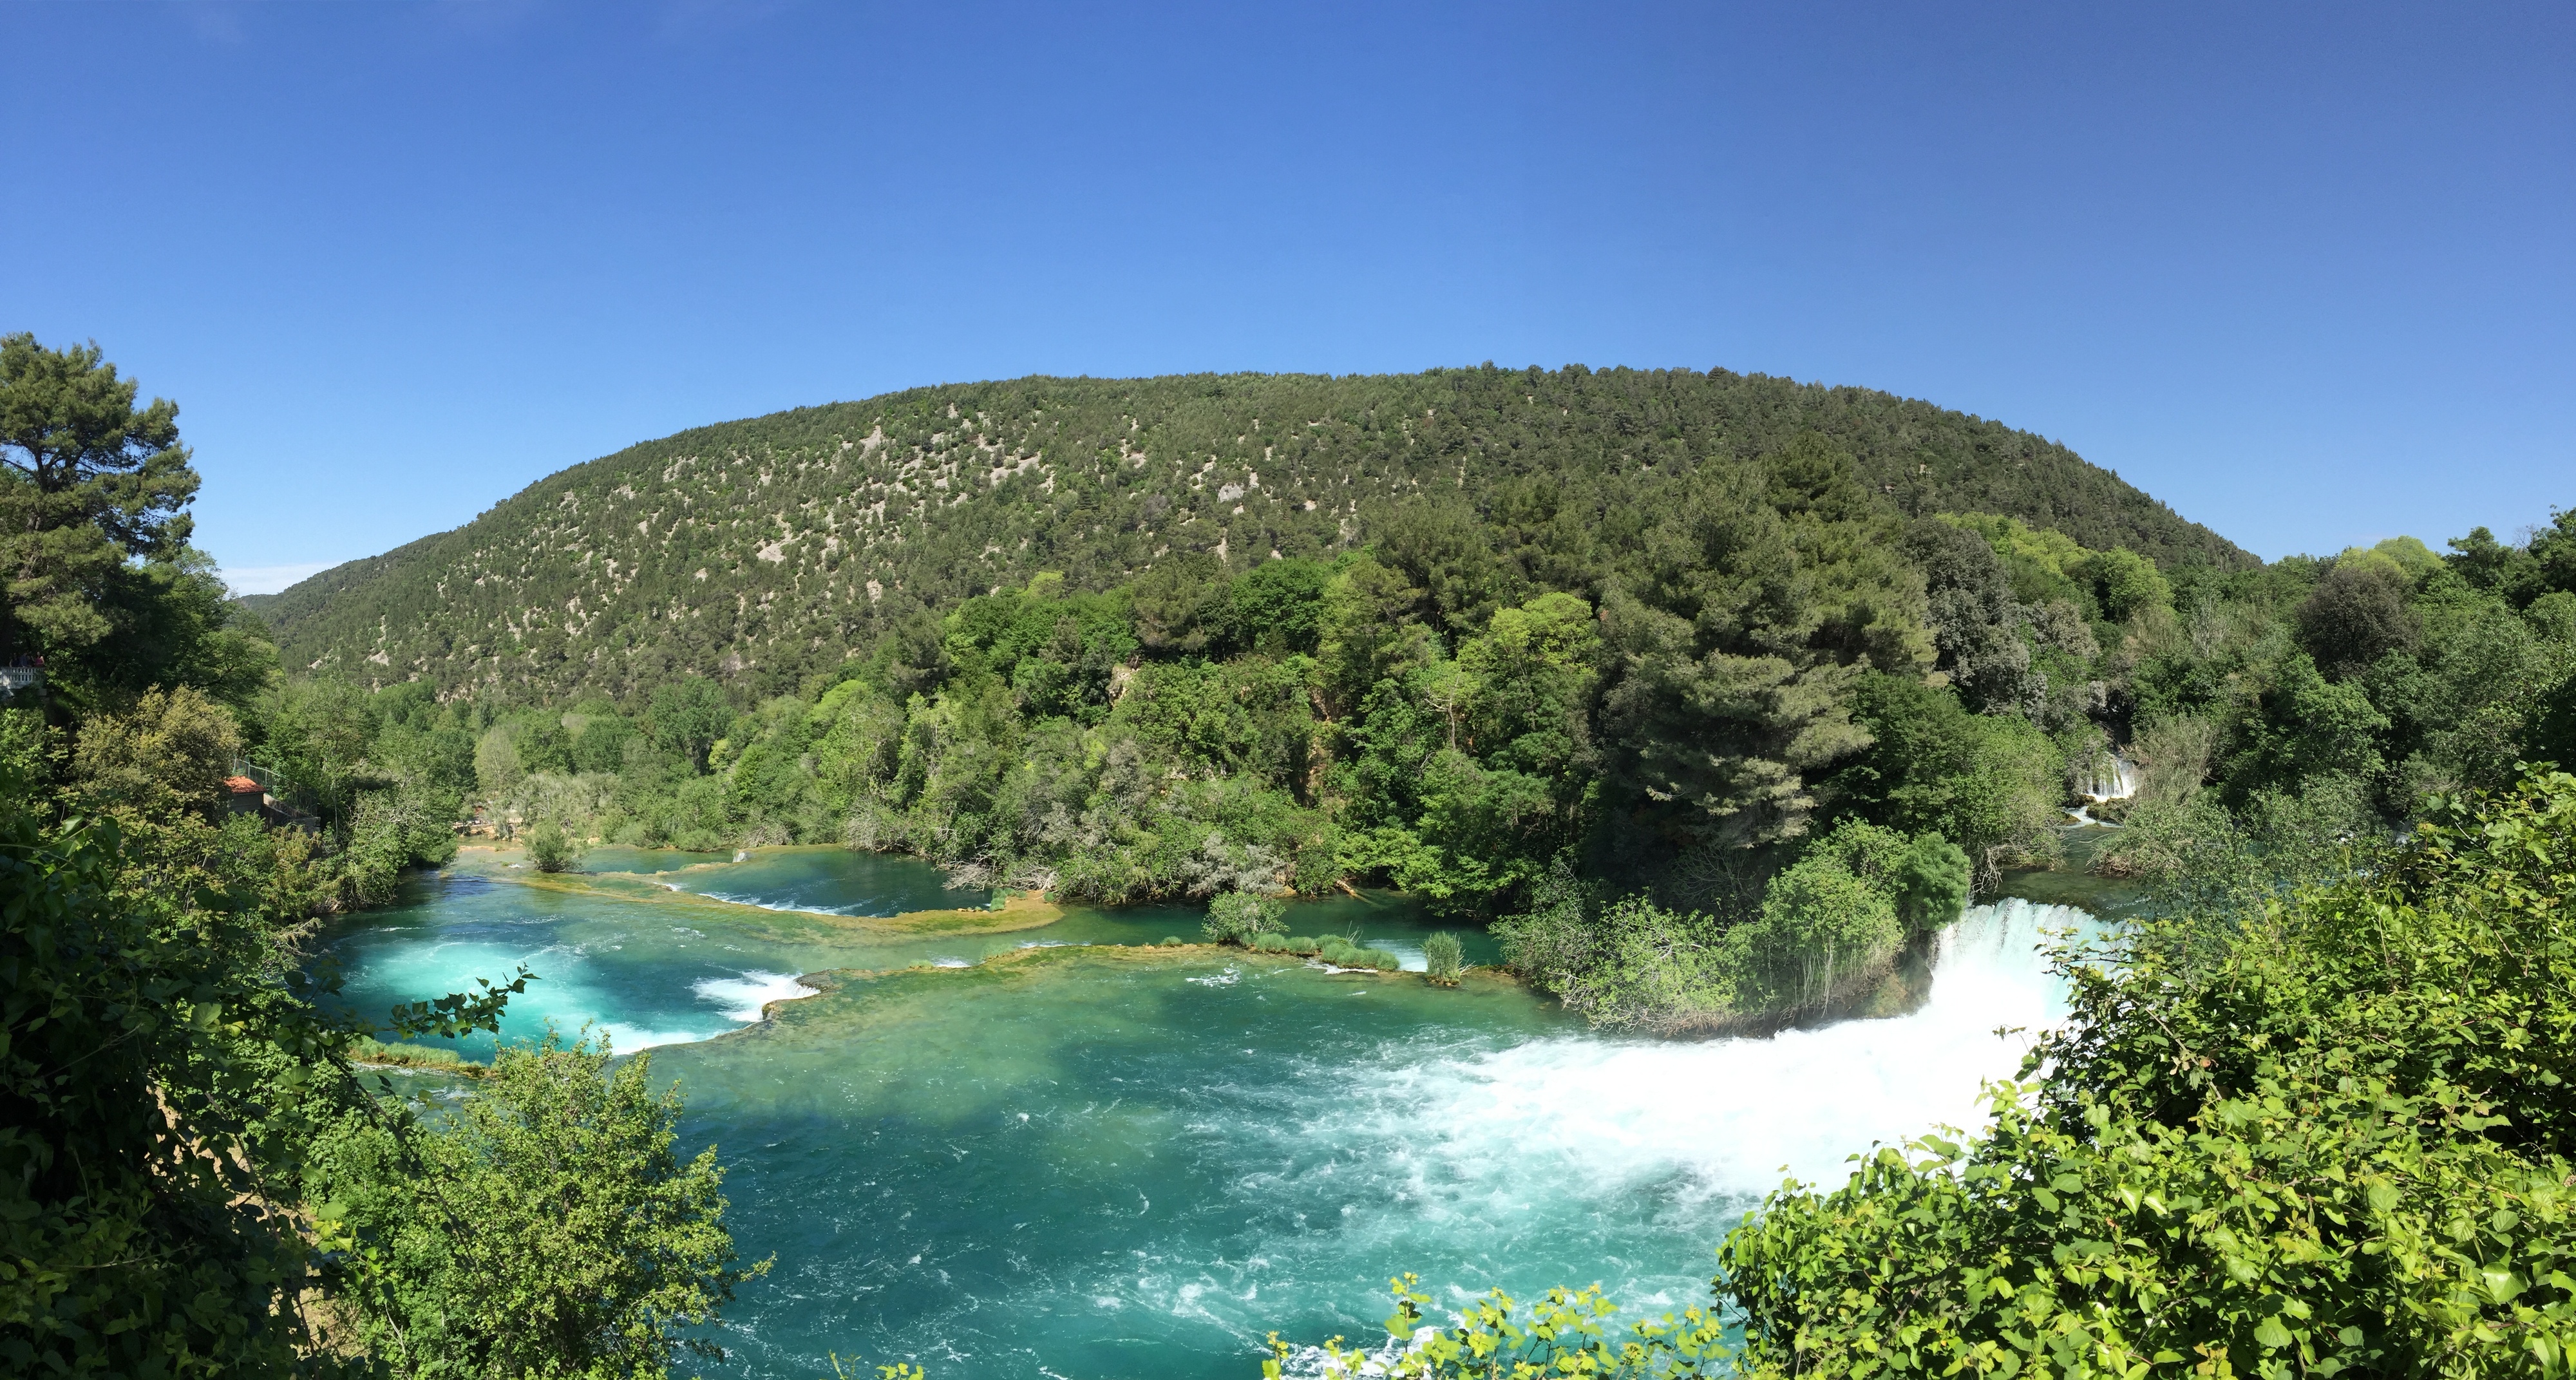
pixel 1096 1160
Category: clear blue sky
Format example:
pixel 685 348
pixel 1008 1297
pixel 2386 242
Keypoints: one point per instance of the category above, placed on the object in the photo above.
pixel 2309 274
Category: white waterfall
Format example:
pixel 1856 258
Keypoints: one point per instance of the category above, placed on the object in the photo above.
pixel 2110 777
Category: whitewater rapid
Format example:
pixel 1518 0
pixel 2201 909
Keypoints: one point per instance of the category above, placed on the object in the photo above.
pixel 1601 1115
pixel 1729 1116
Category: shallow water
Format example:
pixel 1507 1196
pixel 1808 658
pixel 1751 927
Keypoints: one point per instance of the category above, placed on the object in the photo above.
pixel 1092 1162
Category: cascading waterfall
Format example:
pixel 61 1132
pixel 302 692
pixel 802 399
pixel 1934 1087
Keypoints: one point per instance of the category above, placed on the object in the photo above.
pixel 2110 777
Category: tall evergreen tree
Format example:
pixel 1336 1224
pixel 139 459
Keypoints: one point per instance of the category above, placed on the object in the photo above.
pixel 90 483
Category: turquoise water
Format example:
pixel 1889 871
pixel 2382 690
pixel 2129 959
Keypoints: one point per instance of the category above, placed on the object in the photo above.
pixel 1096 1160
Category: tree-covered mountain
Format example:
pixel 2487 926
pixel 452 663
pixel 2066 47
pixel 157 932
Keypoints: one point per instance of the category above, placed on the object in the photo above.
pixel 769 549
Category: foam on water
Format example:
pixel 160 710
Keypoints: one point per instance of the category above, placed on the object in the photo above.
pixel 1497 1128
pixel 626 1039
pixel 755 901
pixel 741 998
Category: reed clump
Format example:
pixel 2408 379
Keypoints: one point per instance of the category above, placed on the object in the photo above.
pixel 1444 958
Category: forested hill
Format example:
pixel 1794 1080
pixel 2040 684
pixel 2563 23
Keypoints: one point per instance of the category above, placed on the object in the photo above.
pixel 770 548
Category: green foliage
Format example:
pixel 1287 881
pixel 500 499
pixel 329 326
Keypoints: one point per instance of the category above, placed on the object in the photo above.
pixel 1828 920
pixel 171 752
pixel 1240 917
pixel 2520 575
pixel 1344 952
pixel 789 542
pixel 138 1238
pixel 389 831
pixel 164 1070
pixel 88 483
pixel 2357 614
pixel 2306 728
pixel 367 1050
pixel 1555 935
pixel 688 716
pixel 1634 965
pixel 551 849
pixel 1932 881
pixel 900 1370
pixel 1444 957
pixel 1565 1333
pixel 546 1227
pixel 1733 672
pixel 1828 928
pixel 2124 583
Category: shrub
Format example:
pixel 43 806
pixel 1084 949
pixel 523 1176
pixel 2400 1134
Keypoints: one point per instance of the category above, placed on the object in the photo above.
pixel 1270 943
pixel 1554 941
pixel 1239 917
pixel 1931 883
pixel 1445 957
pixel 1316 868
pixel 551 849
pixel 2357 614
pixel 1173 941
pixel 1305 944
pixel 1825 924
pixel 1343 953
pixel 546 1226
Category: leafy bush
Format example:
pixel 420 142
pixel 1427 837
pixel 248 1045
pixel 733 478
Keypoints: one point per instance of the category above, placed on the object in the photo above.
pixel 1305 944
pixel 1554 939
pixel 547 1227
pixel 1444 957
pixel 1829 927
pixel 1342 952
pixel 551 849
pixel 1239 917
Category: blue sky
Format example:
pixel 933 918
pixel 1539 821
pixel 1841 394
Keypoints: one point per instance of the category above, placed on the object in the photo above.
pixel 2307 273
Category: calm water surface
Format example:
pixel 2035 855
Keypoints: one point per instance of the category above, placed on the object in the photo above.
pixel 1093 1161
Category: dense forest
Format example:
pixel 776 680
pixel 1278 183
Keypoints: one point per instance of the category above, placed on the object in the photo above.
pixel 1704 708
pixel 768 550
pixel 1765 727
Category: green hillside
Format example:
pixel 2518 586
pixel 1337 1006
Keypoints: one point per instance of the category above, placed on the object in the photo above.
pixel 768 549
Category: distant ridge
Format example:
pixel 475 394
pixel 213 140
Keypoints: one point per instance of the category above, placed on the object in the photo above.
pixel 766 549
